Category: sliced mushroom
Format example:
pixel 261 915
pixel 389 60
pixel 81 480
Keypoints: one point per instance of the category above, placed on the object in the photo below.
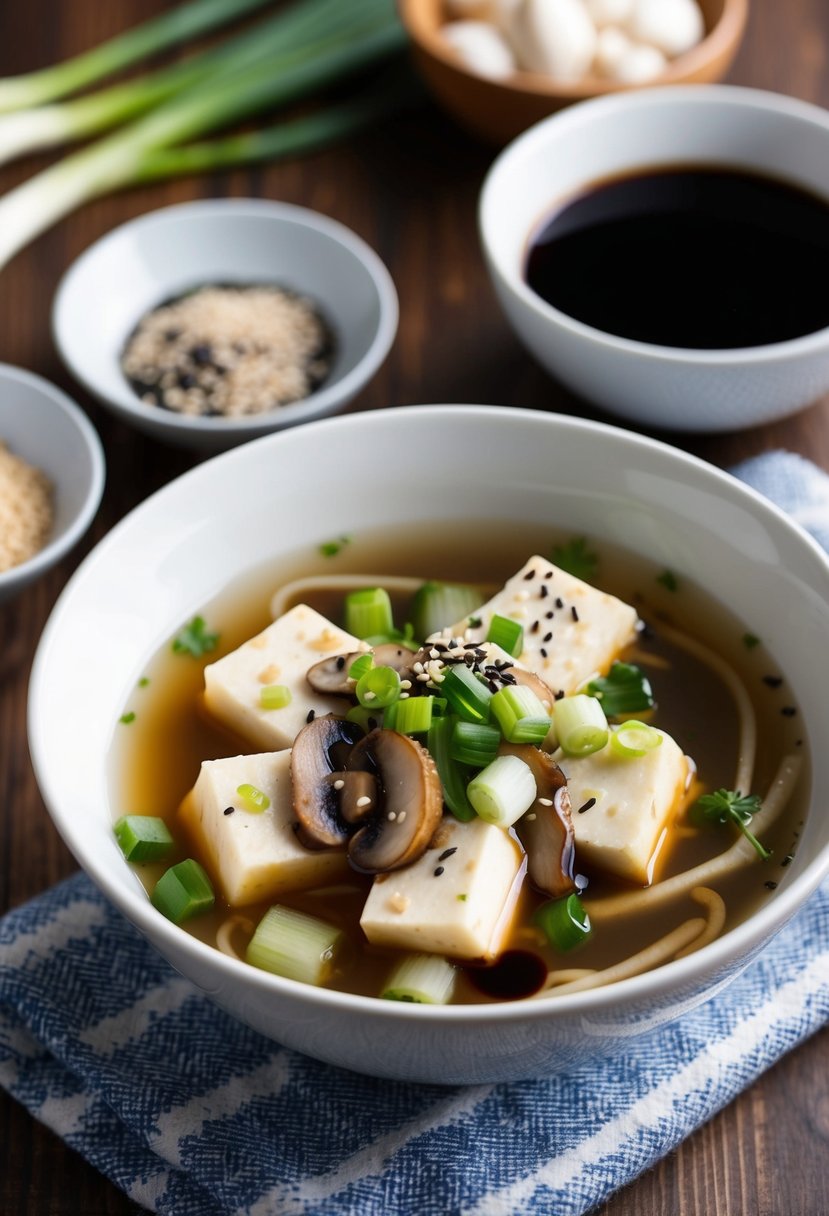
pixel 546 830
pixel 410 802
pixel 389 654
pixel 318 753
pixel 330 676
pixel 358 795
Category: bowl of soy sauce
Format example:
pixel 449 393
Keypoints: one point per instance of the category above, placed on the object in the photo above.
pixel 665 254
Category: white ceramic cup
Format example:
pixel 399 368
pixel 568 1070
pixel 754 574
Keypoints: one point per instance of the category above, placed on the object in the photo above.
pixel 658 386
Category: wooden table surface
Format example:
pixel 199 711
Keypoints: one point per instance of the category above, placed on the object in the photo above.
pixel 410 189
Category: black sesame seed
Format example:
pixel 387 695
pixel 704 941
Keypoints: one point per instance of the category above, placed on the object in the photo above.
pixel 309 717
pixel 788 711
pixel 573 613
pixel 548 616
pixel 438 871
pixel 549 574
pixel 530 574
pixel 559 695
pixel 340 662
pixel 545 591
pixel 587 805
pixel 448 853
pixel 229 810
pixel 773 681
pixel 542 652
pixel 535 626
pixel 559 602
pixel 787 860
pixel 548 637
pixel 770 886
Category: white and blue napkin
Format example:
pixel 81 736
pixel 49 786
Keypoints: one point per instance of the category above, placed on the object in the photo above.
pixel 192 1114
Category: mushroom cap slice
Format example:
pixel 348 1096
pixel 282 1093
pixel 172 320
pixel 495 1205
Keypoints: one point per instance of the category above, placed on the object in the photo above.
pixel 410 803
pixel 318 753
pixel 330 676
pixel 546 830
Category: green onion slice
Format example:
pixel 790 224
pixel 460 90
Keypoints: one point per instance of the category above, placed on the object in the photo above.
pixel 474 743
pixel 453 777
pixel 368 612
pixel 294 945
pixel 520 714
pixel 503 791
pixel 467 696
pixel 143 837
pixel 624 690
pixel 581 726
pixel 275 696
pixel 633 739
pixel 253 799
pixel 413 716
pixel 183 891
pixel 438 606
pixel 378 688
pixel 424 979
pixel 360 666
pixel 507 634
pixel 564 922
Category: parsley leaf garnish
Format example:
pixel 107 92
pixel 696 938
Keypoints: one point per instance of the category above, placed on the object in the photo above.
pixel 668 580
pixel 730 806
pixel 624 690
pixel 750 640
pixel 195 639
pixel 330 548
pixel 576 559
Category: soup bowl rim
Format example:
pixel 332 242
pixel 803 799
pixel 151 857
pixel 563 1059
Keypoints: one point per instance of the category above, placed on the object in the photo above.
pixel 733 948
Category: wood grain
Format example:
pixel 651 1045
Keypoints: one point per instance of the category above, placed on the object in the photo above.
pixel 410 189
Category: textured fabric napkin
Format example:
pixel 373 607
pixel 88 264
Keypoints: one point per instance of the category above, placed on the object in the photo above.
pixel 192 1114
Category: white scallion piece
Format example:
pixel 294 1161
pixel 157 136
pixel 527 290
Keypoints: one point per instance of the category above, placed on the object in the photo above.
pixel 423 979
pixel 503 791
pixel 294 945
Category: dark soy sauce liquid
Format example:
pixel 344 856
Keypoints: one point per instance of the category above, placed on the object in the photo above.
pixel 689 256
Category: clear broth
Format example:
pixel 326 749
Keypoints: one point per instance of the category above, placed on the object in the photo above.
pixel 156 758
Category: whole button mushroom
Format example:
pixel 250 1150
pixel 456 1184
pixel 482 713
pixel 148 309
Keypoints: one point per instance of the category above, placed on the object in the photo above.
pixel 609 12
pixel 612 46
pixel 480 47
pixel 638 64
pixel 673 26
pixel 553 36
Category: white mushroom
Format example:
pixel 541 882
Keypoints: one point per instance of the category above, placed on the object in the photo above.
pixel 638 64
pixel 553 36
pixel 480 48
pixel 672 26
pixel 609 12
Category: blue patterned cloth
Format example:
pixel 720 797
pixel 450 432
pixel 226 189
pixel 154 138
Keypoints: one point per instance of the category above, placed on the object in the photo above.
pixel 192 1114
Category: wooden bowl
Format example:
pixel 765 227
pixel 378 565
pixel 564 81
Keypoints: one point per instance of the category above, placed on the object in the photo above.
pixel 498 110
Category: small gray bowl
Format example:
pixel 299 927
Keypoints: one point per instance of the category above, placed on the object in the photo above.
pixel 154 258
pixel 40 424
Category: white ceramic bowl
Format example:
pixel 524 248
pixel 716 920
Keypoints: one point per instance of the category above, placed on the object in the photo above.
pixel 154 258
pixel 45 428
pixel 660 386
pixel 200 532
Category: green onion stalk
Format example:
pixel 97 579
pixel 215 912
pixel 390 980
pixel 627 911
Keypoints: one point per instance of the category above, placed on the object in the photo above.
pixel 168 29
pixel 367 32
pixel 32 130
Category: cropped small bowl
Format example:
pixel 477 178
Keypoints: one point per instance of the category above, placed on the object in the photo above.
pixel 659 386
pixel 498 110
pixel 201 533
pixel 159 256
pixel 42 426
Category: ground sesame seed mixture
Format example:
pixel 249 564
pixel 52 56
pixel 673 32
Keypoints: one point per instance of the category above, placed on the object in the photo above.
pixel 229 351
pixel 26 513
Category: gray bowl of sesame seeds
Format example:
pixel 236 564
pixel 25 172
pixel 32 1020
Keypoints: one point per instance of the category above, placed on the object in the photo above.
pixel 208 324
pixel 51 477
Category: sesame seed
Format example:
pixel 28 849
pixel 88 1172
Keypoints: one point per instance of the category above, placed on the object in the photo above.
pixel 448 853
pixel 392 815
pixel 544 591
pixel 401 816
pixel 405 684
pixel 535 626
pixel 773 681
pixel 559 602
pixel 229 810
pixel 339 783
pixel 340 662
pixel 542 651
pixel 548 637
pixel 788 711
pixel 363 800
pixel 545 802
pixel 587 805
pixel 549 574
pixel 548 616
pixel 438 871
pixel 309 717
pixel 770 886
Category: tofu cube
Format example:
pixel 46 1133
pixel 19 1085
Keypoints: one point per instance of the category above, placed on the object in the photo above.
pixel 463 911
pixel 254 856
pixel 281 654
pixel 635 799
pixel 579 630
